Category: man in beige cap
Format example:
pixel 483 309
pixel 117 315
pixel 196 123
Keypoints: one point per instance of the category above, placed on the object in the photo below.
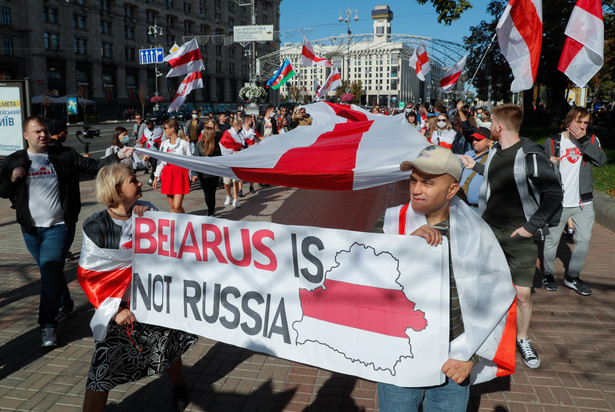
pixel 485 295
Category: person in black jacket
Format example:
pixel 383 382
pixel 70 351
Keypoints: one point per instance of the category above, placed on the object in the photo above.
pixel 520 198
pixel 42 183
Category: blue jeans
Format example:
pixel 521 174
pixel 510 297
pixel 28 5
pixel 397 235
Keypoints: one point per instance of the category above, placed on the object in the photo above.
pixel 46 245
pixel 448 397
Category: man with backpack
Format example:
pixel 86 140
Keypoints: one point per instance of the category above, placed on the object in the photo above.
pixel 520 197
pixel 574 152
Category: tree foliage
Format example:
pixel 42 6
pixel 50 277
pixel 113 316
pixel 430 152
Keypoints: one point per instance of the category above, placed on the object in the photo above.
pixel 448 10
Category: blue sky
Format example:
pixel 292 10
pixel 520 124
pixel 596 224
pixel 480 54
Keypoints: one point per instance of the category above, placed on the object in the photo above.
pixel 319 18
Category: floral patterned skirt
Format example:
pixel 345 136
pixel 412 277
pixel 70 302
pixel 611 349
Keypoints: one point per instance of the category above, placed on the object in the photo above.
pixel 123 358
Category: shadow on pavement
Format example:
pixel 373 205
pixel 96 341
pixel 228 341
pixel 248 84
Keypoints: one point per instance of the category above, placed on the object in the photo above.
pixel 219 361
pixel 335 395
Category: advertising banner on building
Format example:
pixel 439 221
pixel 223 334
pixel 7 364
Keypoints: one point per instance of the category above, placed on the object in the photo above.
pixel 12 113
pixel 365 304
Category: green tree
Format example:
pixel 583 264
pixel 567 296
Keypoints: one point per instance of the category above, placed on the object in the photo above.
pixel 448 10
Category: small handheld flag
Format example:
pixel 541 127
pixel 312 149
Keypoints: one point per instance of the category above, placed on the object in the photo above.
pixel 284 74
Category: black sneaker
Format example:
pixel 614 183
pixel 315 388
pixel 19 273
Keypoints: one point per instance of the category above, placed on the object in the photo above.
pixel 577 285
pixel 181 398
pixel 529 355
pixel 64 312
pixel 549 282
pixel 49 339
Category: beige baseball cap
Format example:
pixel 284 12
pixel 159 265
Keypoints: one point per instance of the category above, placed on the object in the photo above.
pixel 435 160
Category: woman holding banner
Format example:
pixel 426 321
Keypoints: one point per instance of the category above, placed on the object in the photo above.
pixel 125 350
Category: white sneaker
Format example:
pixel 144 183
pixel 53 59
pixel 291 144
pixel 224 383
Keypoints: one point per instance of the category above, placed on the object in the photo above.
pixel 227 201
pixel 236 203
pixel 49 337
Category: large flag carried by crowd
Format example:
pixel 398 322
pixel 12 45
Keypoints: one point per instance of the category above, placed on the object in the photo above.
pixel 345 148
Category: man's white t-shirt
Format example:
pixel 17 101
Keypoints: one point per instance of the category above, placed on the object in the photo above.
pixel 570 159
pixel 43 192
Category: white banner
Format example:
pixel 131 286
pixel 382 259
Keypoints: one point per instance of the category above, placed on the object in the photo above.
pixel 370 305
pixel 11 112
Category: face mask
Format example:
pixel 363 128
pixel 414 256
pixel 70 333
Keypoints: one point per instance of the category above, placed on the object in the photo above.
pixel 125 139
pixel 195 116
pixel 441 124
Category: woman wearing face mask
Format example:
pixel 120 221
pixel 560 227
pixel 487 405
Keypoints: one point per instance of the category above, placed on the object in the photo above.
pixel 444 134
pixel 118 141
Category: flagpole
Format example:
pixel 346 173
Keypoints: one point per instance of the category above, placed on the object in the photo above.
pixel 479 64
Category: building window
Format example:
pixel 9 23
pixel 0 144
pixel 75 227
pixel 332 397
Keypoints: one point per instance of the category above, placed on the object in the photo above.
pixel 105 27
pixel 218 50
pixel 50 15
pixel 188 27
pixel 131 54
pixel 170 4
pixel 151 16
pixel 5 15
pixel 218 67
pixel 8 46
pixel 129 32
pixel 81 46
pixel 106 50
pixel 52 41
pixel 203 13
pixel 187 8
pixel 129 10
pixel 231 68
pixel 104 5
pixel 80 22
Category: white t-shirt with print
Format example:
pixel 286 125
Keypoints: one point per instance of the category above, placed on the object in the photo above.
pixel 43 192
pixel 570 159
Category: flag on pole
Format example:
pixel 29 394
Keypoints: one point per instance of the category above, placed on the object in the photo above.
pixel 333 82
pixel 520 37
pixel 420 62
pixel 583 53
pixel 192 81
pixel 284 74
pixel 186 59
pixel 452 75
pixel 309 58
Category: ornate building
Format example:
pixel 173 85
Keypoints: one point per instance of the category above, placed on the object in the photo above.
pixel 90 48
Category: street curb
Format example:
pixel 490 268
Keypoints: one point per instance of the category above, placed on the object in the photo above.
pixel 604 207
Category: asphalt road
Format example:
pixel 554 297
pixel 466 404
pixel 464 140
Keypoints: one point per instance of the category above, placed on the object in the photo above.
pixel 98 145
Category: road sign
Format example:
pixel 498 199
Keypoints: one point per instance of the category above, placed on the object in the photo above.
pixel 253 33
pixel 148 56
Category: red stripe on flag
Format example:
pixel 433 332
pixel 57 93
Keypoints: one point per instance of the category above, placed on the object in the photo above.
pixel 384 311
pixel 100 285
pixel 450 79
pixel 528 24
pixel 192 55
pixel 327 164
pixel 505 353
pixel 344 111
pixel 591 6
pixel 570 51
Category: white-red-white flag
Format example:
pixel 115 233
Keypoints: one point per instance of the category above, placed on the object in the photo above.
pixel 583 53
pixel 309 58
pixel 420 62
pixel 186 59
pixel 345 148
pixel 520 38
pixel 452 75
pixel 333 82
pixel 191 82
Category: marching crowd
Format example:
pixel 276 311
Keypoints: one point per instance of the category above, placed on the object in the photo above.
pixel 527 194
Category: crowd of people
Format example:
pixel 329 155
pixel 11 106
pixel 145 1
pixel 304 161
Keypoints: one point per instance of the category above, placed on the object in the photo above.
pixel 527 195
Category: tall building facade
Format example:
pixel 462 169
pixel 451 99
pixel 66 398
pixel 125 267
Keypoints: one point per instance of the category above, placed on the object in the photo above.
pixel 90 48
pixel 381 65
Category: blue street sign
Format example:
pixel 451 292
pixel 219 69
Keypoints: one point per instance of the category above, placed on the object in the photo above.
pixel 148 56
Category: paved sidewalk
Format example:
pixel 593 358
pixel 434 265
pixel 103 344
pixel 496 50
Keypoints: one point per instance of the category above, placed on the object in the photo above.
pixel 573 334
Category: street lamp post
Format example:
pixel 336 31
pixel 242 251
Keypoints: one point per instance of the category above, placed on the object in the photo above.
pixel 348 12
pixel 156 31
